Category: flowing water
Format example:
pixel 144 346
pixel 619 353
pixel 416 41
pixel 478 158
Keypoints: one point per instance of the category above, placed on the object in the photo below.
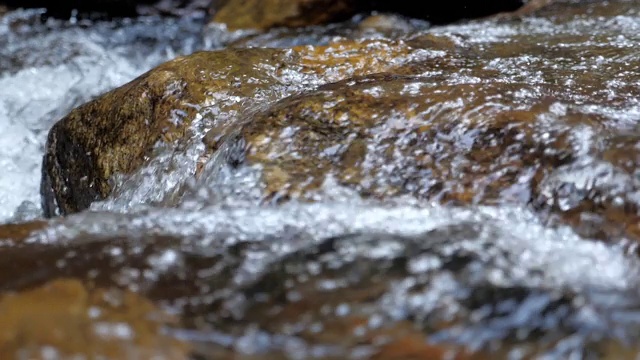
pixel 518 277
pixel 48 69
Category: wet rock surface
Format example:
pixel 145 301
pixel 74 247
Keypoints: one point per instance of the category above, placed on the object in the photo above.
pixel 399 191
pixel 508 120
pixel 442 282
pixel 394 135
pixel 115 133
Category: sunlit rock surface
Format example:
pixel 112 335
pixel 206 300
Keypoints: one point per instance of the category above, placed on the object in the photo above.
pixel 466 191
pixel 175 101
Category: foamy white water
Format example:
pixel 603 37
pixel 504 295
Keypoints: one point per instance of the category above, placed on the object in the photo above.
pixel 48 69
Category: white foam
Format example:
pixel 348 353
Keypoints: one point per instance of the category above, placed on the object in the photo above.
pixel 45 72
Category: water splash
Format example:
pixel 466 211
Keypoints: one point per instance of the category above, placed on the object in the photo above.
pixel 46 69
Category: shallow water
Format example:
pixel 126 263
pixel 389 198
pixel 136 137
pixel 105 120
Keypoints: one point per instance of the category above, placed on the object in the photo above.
pixel 527 274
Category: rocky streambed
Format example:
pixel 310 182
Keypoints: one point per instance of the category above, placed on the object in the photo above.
pixel 267 180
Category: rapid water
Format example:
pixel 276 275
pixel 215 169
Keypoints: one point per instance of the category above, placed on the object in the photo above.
pixel 495 275
pixel 48 69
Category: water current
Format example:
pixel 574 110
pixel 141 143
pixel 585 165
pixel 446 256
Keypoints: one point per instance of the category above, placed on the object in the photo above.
pixel 494 273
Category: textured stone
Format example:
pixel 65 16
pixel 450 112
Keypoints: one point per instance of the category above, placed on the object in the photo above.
pixel 116 132
pixel 388 135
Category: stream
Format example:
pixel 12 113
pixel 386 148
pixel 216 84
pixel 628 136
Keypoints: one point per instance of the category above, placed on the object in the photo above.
pixel 513 238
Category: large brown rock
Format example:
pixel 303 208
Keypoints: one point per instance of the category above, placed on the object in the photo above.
pixel 474 126
pixel 464 124
pixel 116 132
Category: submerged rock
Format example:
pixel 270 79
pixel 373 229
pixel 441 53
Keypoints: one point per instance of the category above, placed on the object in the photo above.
pixel 63 319
pixel 393 282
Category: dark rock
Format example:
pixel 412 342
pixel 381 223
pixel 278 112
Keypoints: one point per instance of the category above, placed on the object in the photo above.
pixel 261 14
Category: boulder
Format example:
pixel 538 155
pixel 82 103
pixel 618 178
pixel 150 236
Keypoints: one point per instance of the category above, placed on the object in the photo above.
pixel 117 132
pixel 433 116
